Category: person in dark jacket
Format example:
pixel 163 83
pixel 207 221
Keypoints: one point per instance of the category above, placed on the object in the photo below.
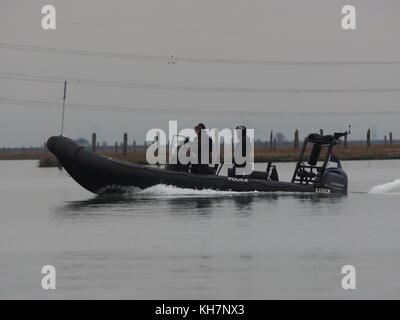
pixel 242 144
pixel 242 160
pixel 201 134
pixel 210 142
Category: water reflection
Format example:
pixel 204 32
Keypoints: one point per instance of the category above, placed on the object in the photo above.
pixel 131 204
pixel 321 204
pixel 244 204
pixel 203 206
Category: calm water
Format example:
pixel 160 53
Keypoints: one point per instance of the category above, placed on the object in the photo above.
pixel 176 244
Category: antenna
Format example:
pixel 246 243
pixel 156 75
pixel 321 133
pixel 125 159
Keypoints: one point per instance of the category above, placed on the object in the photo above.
pixel 241 116
pixel 63 108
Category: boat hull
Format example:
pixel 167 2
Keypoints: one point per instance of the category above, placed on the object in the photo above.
pixel 100 174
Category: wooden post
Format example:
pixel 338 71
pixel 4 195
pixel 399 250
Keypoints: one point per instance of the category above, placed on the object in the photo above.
pixel 369 137
pixel 134 146
pixel 94 144
pixel 345 141
pixel 271 140
pixel 116 147
pixel 391 138
pixel 296 139
pixel 275 143
pixel 321 132
pixel 385 140
pixel 125 145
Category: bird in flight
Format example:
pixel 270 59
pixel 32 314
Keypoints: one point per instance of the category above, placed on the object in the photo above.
pixel 172 60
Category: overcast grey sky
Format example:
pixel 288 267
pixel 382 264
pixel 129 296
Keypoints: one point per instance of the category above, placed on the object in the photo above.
pixel 116 53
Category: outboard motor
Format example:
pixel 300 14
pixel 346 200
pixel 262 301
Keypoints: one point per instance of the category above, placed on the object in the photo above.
pixel 334 179
pixel 324 179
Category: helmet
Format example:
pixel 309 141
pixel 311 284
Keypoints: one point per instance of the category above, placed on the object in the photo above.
pixel 243 128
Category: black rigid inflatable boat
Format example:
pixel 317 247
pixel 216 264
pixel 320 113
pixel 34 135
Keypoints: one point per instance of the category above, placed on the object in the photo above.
pixel 100 174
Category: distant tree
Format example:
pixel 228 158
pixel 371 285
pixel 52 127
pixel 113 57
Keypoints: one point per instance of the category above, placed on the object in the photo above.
pixel 82 142
pixel 104 144
pixel 258 142
pixel 280 138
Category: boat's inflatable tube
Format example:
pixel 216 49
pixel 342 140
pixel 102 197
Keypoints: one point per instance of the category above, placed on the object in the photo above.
pixel 100 174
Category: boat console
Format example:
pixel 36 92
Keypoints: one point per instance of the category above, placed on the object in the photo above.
pixel 271 173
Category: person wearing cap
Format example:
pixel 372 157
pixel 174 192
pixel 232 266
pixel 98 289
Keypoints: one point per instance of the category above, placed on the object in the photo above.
pixel 244 144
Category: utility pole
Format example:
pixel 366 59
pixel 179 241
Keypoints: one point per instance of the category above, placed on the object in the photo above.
pixel 63 108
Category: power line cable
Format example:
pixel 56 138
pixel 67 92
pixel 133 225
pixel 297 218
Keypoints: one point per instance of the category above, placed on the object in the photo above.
pixel 167 87
pixel 198 60
pixel 215 110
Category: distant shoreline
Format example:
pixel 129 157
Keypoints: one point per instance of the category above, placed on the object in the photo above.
pixel 262 154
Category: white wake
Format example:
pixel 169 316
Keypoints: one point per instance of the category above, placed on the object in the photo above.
pixel 164 190
pixel 391 187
